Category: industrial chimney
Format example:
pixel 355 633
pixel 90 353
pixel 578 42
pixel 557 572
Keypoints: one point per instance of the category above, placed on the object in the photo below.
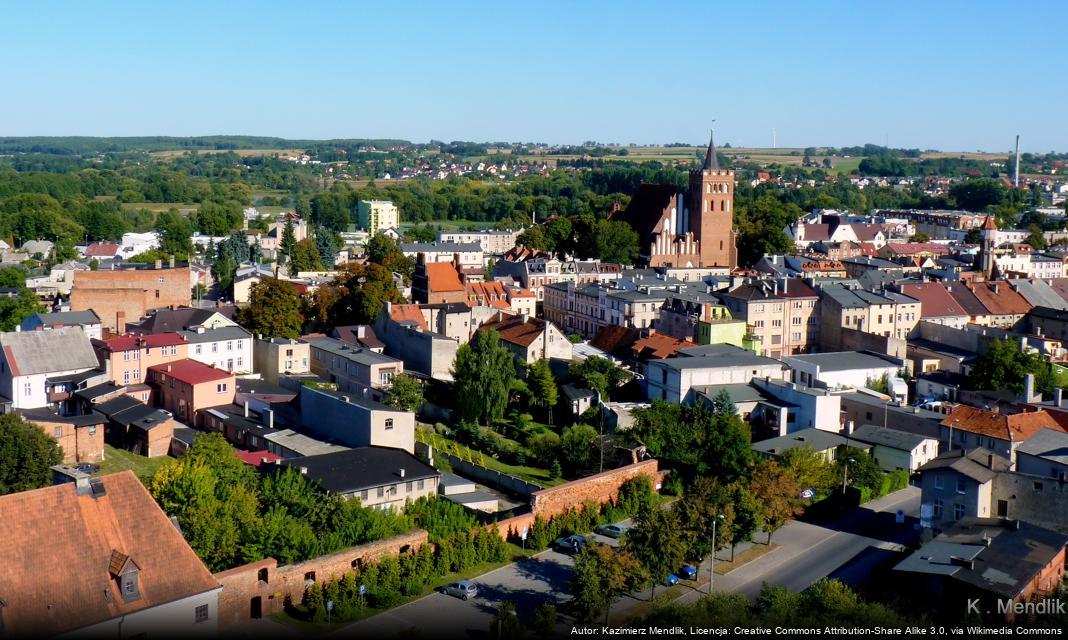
pixel 1016 169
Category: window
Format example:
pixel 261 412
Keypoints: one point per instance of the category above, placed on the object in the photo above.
pixel 381 492
pixel 1038 487
pixel 289 353
pixel 958 511
pixel 795 321
pixel 197 349
pixel 126 377
pixel 758 324
pixel 137 374
pixel 239 362
pixel 389 423
pixel 937 479
pixel 214 347
pixel 938 509
pixel 776 323
pixel 125 355
pixel 363 496
pixel 229 345
pixel 408 486
pixel 174 349
pixel 419 484
pixel 796 337
pixel 59 434
pixel 220 388
pixel 161 279
pixel 27 390
pixel 92 431
pixel 960 485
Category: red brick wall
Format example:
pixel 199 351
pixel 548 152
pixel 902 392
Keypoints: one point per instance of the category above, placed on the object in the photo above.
pixel 131 291
pixel 76 443
pixel 159 439
pixel 242 584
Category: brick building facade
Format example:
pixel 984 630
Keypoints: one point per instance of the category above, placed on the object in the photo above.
pixel 126 294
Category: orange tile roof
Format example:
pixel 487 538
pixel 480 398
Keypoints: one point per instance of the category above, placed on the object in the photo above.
pixel 442 276
pixel 1001 299
pixel 61 551
pixel 408 313
pixel 1017 427
pixel 658 346
pixel 514 329
pixel 491 290
pixel 519 292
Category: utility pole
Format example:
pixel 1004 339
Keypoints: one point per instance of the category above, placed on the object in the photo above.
pixel 845 473
pixel 712 561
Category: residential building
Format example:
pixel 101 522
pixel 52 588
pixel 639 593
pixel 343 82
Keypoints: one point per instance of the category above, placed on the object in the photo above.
pixel 698 317
pixel 533 272
pixel 691 228
pixel 896 450
pixel 129 292
pixel 80 437
pixel 374 216
pixel 774 407
pixel 966 427
pixel 134 426
pixel 462 254
pixel 826 444
pixel 127 358
pixel 577 398
pixel 675 379
pixel 530 339
pixel 354 421
pixel 958 484
pixel 358 335
pixel 99 558
pixel 379 477
pixel 42 368
pixel 996 565
pixel 849 370
pixel 437 283
pixel 936 303
pixel 355 370
pixel 87 320
pixel 783 316
pixel 408 336
pixel 1044 454
pixel 491 242
pixel 884 313
pixel 184 387
pixel 276 357
pixel 588 308
pixel 864 407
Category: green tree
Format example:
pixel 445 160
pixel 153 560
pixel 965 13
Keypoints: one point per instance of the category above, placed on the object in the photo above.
pixel 656 540
pixel 542 386
pixel 616 242
pixel 356 296
pixel 305 257
pixel 778 489
pixel 577 447
pixel 978 194
pixel 543 620
pixel 13 310
pixel 863 471
pixel 289 239
pixel 27 454
pixel 1035 237
pixel 483 372
pixel 326 243
pixel 723 404
pixel 706 501
pixel 1005 366
pixel 544 447
pixel 812 470
pixel 506 622
pixel 405 392
pixel 175 232
pixel 603 574
pixel 274 310
pixel 919 236
pixel 13 277
pixel 599 374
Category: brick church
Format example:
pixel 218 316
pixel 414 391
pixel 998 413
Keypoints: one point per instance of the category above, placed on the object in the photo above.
pixel 693 228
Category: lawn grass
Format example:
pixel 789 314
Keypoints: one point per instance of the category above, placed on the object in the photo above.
pixel 116 460
pixel 318 628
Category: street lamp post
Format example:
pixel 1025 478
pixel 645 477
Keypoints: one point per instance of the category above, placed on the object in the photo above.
pixel 845 472
pixel 712 562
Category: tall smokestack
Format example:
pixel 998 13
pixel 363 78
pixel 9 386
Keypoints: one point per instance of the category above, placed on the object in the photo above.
pixel 1016 171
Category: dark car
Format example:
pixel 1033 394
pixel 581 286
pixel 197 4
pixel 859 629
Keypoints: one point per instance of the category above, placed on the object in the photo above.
pixel 671 580
pixel 569 544
pixel 87 467
pixel 687 572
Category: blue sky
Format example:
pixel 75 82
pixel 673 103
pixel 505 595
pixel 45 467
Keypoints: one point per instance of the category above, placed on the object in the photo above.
pixel 951 75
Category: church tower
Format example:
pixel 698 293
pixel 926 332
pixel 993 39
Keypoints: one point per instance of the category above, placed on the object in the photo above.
pixel 986 250
pixel 711 210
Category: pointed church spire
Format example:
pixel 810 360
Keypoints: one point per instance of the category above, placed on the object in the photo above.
pixel 711 161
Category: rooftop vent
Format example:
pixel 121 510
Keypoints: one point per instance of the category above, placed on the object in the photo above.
pixel 401 473
pixel 96 488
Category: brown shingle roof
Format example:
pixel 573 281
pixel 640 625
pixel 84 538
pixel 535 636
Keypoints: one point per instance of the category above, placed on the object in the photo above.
pixel 514 329
pixel 59 555
pixel 1017 427
pixel 1001 299
pixel 935 301
pixel 615 340
pixel 408 313
pixel 658 346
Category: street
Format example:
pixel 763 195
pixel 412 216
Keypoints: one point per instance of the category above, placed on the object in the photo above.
pixel 844 549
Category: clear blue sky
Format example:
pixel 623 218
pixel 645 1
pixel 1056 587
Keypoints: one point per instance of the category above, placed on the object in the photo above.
pixel 952 75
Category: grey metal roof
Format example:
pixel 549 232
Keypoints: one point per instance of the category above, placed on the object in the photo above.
pixel 362 468
pixel 936 557
pixel 887 437
pixel 716 355
pixel 214 335
pixel 62 349
pixel 301 444
pixel 1039 293
pixel 349 352
pixel 739 393
pixel 979 464
pixel 67 318
pixel 576 393
pixel 846 360
pixel 1049 444
pixel 816 439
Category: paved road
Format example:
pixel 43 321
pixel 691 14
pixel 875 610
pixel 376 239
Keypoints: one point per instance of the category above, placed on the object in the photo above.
pixel 845 549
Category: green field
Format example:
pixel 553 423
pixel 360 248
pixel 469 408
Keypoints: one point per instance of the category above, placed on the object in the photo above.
pixel 116 460
pixel 184 207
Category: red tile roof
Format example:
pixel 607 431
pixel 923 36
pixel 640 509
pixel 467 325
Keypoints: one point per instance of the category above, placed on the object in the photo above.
pixel 256 458
pixel 935 301
pixel 191 371
pixel 658 346
pixel 58 550
pixel 485 291
pixel 442 277
pixel 615 340
pixel 515 329
pixel 130 341
pixel 1017 427
pixel 102 250
pixel 408 313
pixel 912 248
pixel 1001 299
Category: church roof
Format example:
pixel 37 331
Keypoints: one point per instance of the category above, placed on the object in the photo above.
pixel 711 161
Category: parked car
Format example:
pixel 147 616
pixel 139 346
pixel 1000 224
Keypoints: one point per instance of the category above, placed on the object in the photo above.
pixel 88 467
pixel 612 530
pixel 463 589
pixel 569 544
pixel 687 572
pixel 671 580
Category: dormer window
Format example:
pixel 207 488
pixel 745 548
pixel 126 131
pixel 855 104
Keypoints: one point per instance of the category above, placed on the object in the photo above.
pixel 126 573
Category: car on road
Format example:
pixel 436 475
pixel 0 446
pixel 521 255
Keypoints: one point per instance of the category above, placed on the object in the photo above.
pixel 687 572
pixel 569 544
pixel 671 580
pixel 612 530
pixel 463 589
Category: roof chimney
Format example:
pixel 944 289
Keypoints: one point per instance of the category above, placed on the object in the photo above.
pixel 246 408
pixel 401 472
pixel 990 461
pixel 269 413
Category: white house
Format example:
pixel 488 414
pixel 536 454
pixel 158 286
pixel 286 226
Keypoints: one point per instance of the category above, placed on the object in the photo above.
pixel 674 379
pixel 893 449
pixel 36 366
pixel 227 347
pixel 136 243
pixel 848 369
